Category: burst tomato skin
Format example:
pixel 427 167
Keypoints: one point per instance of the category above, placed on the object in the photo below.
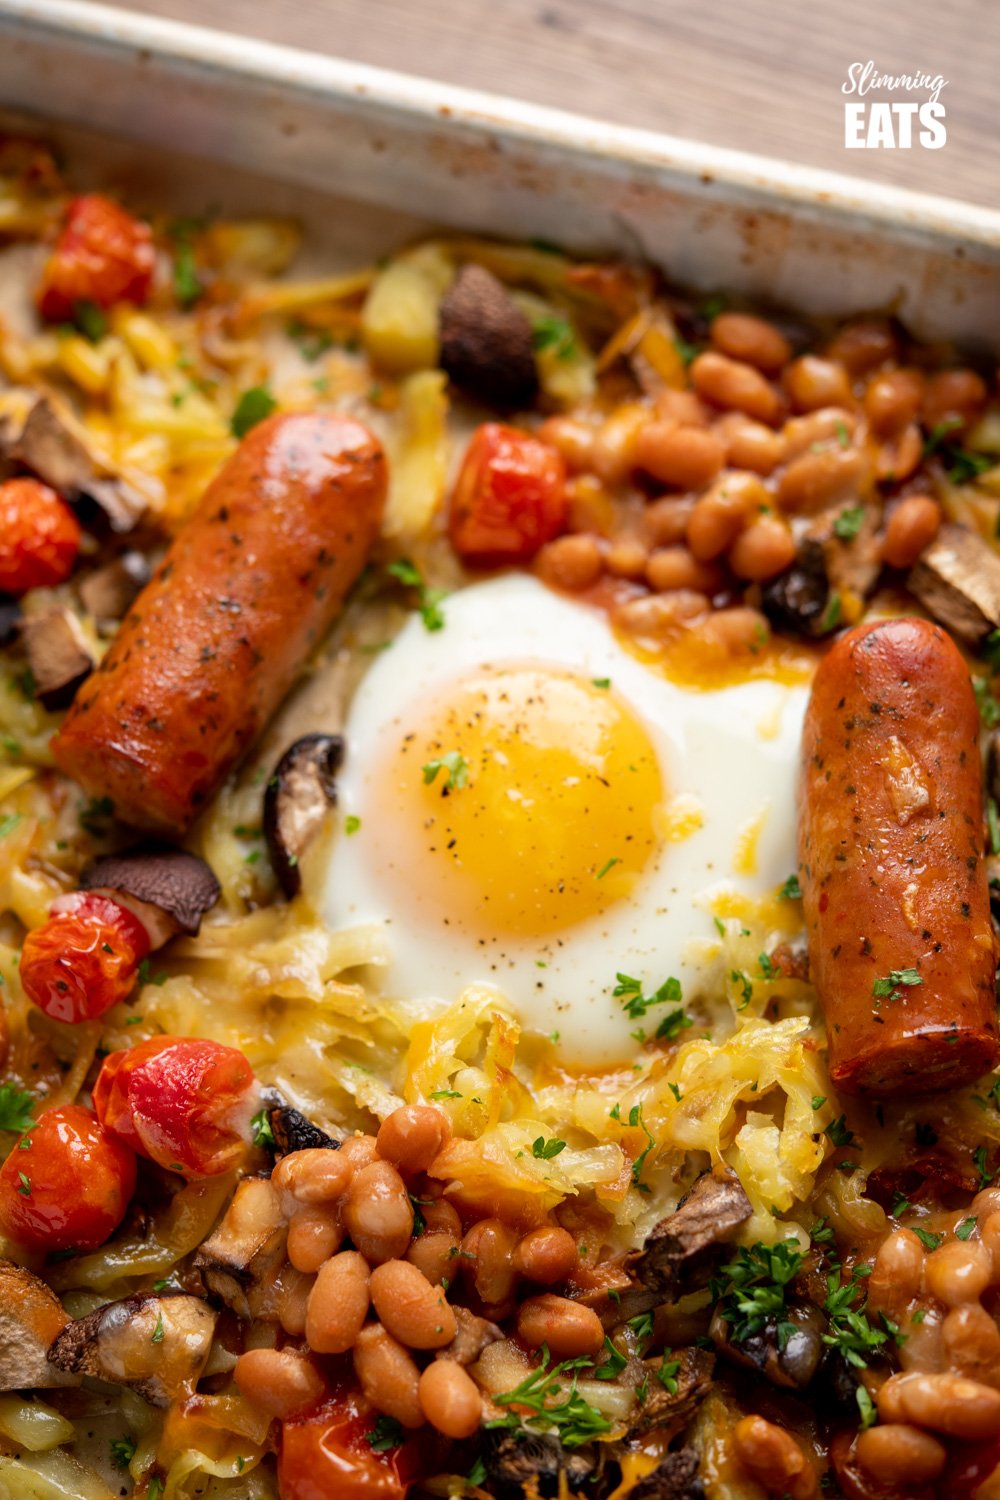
pixel 67 1184
pixel 84 959
pixel 325 1453
pixel 510 496
pixel 177 1101
pixel 39 536
pixel 103 255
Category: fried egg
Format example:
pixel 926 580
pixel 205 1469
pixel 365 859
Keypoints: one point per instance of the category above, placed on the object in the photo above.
pixel 524 803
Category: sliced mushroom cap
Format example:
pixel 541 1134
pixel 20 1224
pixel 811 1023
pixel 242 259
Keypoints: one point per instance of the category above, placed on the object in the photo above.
pixel 790 1360
pixel 299 795
pixel 523 1463
pixel 157 1345
pixel 180 885
pixel 474 1334
pixel 108 592
pixel 674 1478
pixel 487 343
pixel 802 601
pixel 293 1132
pixel 240 1259
pixel 957 580
pixel 58 655
pixel 31 1319
pixel 680 1252
pixel 48 440
pixel 693 1378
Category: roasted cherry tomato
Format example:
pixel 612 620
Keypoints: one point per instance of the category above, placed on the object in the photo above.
pixel 84 959
pixel 182 1101
pixel 510 496
pixel 39 536
pixel 327 1453
pixel 102 256
pixel 67 1183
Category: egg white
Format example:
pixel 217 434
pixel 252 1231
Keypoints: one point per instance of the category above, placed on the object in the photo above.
pixel 729 756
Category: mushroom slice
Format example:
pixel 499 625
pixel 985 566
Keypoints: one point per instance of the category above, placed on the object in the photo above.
pixel 957 580
pixel 680 1252
pixel 299 795
pixel 789 1359
pixel 58 655
pixel 693 1378
pixel 674 1478
pixel 241 1258
pixel 293 1132
pixel 802 600
pixel 31 1319
pixel 157 1345
pixel 168 889
pixel 521 1462
pixel 487 344
pixel 473 1336
pixel 47 439
pixel 108 592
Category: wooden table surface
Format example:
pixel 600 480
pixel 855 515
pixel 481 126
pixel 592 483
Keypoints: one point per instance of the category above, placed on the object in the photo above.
pixel 764 75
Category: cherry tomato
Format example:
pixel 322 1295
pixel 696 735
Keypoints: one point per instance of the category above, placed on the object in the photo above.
pixel 182 1101
pixel 39 536
pixel 103 256
pixel 67 1183
pixel 510 496
pixel 84 959
pixel 327 1453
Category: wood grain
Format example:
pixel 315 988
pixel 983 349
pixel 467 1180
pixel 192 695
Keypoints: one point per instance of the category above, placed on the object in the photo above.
pixel 763 75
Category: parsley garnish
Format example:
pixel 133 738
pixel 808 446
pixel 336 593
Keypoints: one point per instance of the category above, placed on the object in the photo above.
pixel 90 320
pixel 629 991
pixel 750 1290
pixel 838 1132
pixel 979 1162
pixel 122 1451
pixel 429 600
pixel 613 1365
pixel 964 1230
pixel 746 988
pixel 15 1109
pixel 635 1119
pixel 767 965
pixel 575 1421
pixel 993 824
pixel 791 890
pixel 642 1326
pixel 888 988
pixel 849 522
pixel 476 1474
pixel 866 1408
pixel 927 1239
pixel 157 1334
pixel 989 709
pixel 8 824
pixel 187 284
pixel 818 1100
pixel 850 1331
pixel 555 333
pixel 351 824
pixel 608 864
pixel 667 1373
pixel 145 977
pixel 455 764
pixel 821 1233
pixel 25 1181
pixel 253 406
pixel 543 1150
pixel 260 1125
pixel 446 1094
pixel 830 618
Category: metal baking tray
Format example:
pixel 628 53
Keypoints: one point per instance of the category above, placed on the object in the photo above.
pixel 418 153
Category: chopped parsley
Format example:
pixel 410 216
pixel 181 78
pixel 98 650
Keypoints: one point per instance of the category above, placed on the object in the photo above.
pixel 745 987
pixel 446 1094
pixel 15 1108
pixel 821 1233
pixel 979 1162
pixel 630 992
pixel 889 987
pixel 455 764
pixel 429 600
pixel 818 1100
pixel 9 823
pixel 543 1150
pixel 635 1119
pixel 993 824
pixel 553 1402
pixel 260 1125
pixel 964 1230
pixel 767 966
pixel 122 1451
pixel 850 1331
pixel 613 1365
pixel 477 1474
pixel 157 1334
pixel 311 342
pixel 555 334
pixel 667 1373
pixel 989 709
pixel 609 864
pixel 791 890
pixel 90 320
pixel 849 522
pixel 642 1326
pixel 838 1132
pixel 351 824
pixel 867 1409
pixel 253 406
pixel 601 682
pixel 145 977
pixel 25 1181
pixel 830 618
pixel 929 1240
pixel 187 283
pixel 750 1290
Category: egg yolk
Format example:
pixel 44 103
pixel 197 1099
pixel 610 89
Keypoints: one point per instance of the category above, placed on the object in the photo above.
pixel 523 802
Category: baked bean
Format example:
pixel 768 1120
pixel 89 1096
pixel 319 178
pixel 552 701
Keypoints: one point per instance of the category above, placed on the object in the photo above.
pixel 742 336
pixel 958 1272
pixel 314 1176
pixel 897 1273
pixel 626 557
pixel 591 508
pixel 573 439
pixel 568 1328
pixel 338 1303
pixel 415 1312
pixel 863 346
pixel 674 568
pixel 912 526
pixel 314 1233
pixel 749 444
pixel 989 1228
pixel 899 1454
pixel 613 456
pixel 546 1255
pixel 571 562
pixel 762 550
pixel 277 1381
pixel 892 400
pixel 682 408
pixel 736 630
pixel 434 1255
pixel 665 522
pixel 686 458
pixel 815 480
pixel 413 1136
pixel 450 1399
pixel 734 386
pixel 492 1243
pixel 950 1404
pixel 773 1457
pixel 986 1202
pixel 441 1217
pixel 721 513
pixel 389 1378
pixel 660 617
pixel 292 1299
pixel 898 457
pixel 972 1343
pixel 955 397
pixel 812 382
pixel 378 1214
pixel 359 1150
pixel 831 424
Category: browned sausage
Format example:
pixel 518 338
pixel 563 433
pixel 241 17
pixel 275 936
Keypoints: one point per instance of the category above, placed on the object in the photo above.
pixel 891 863
pixel 214 641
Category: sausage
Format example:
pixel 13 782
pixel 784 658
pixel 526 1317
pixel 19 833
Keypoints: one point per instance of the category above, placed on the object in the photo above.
pixel 891 865
pixel 213 642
